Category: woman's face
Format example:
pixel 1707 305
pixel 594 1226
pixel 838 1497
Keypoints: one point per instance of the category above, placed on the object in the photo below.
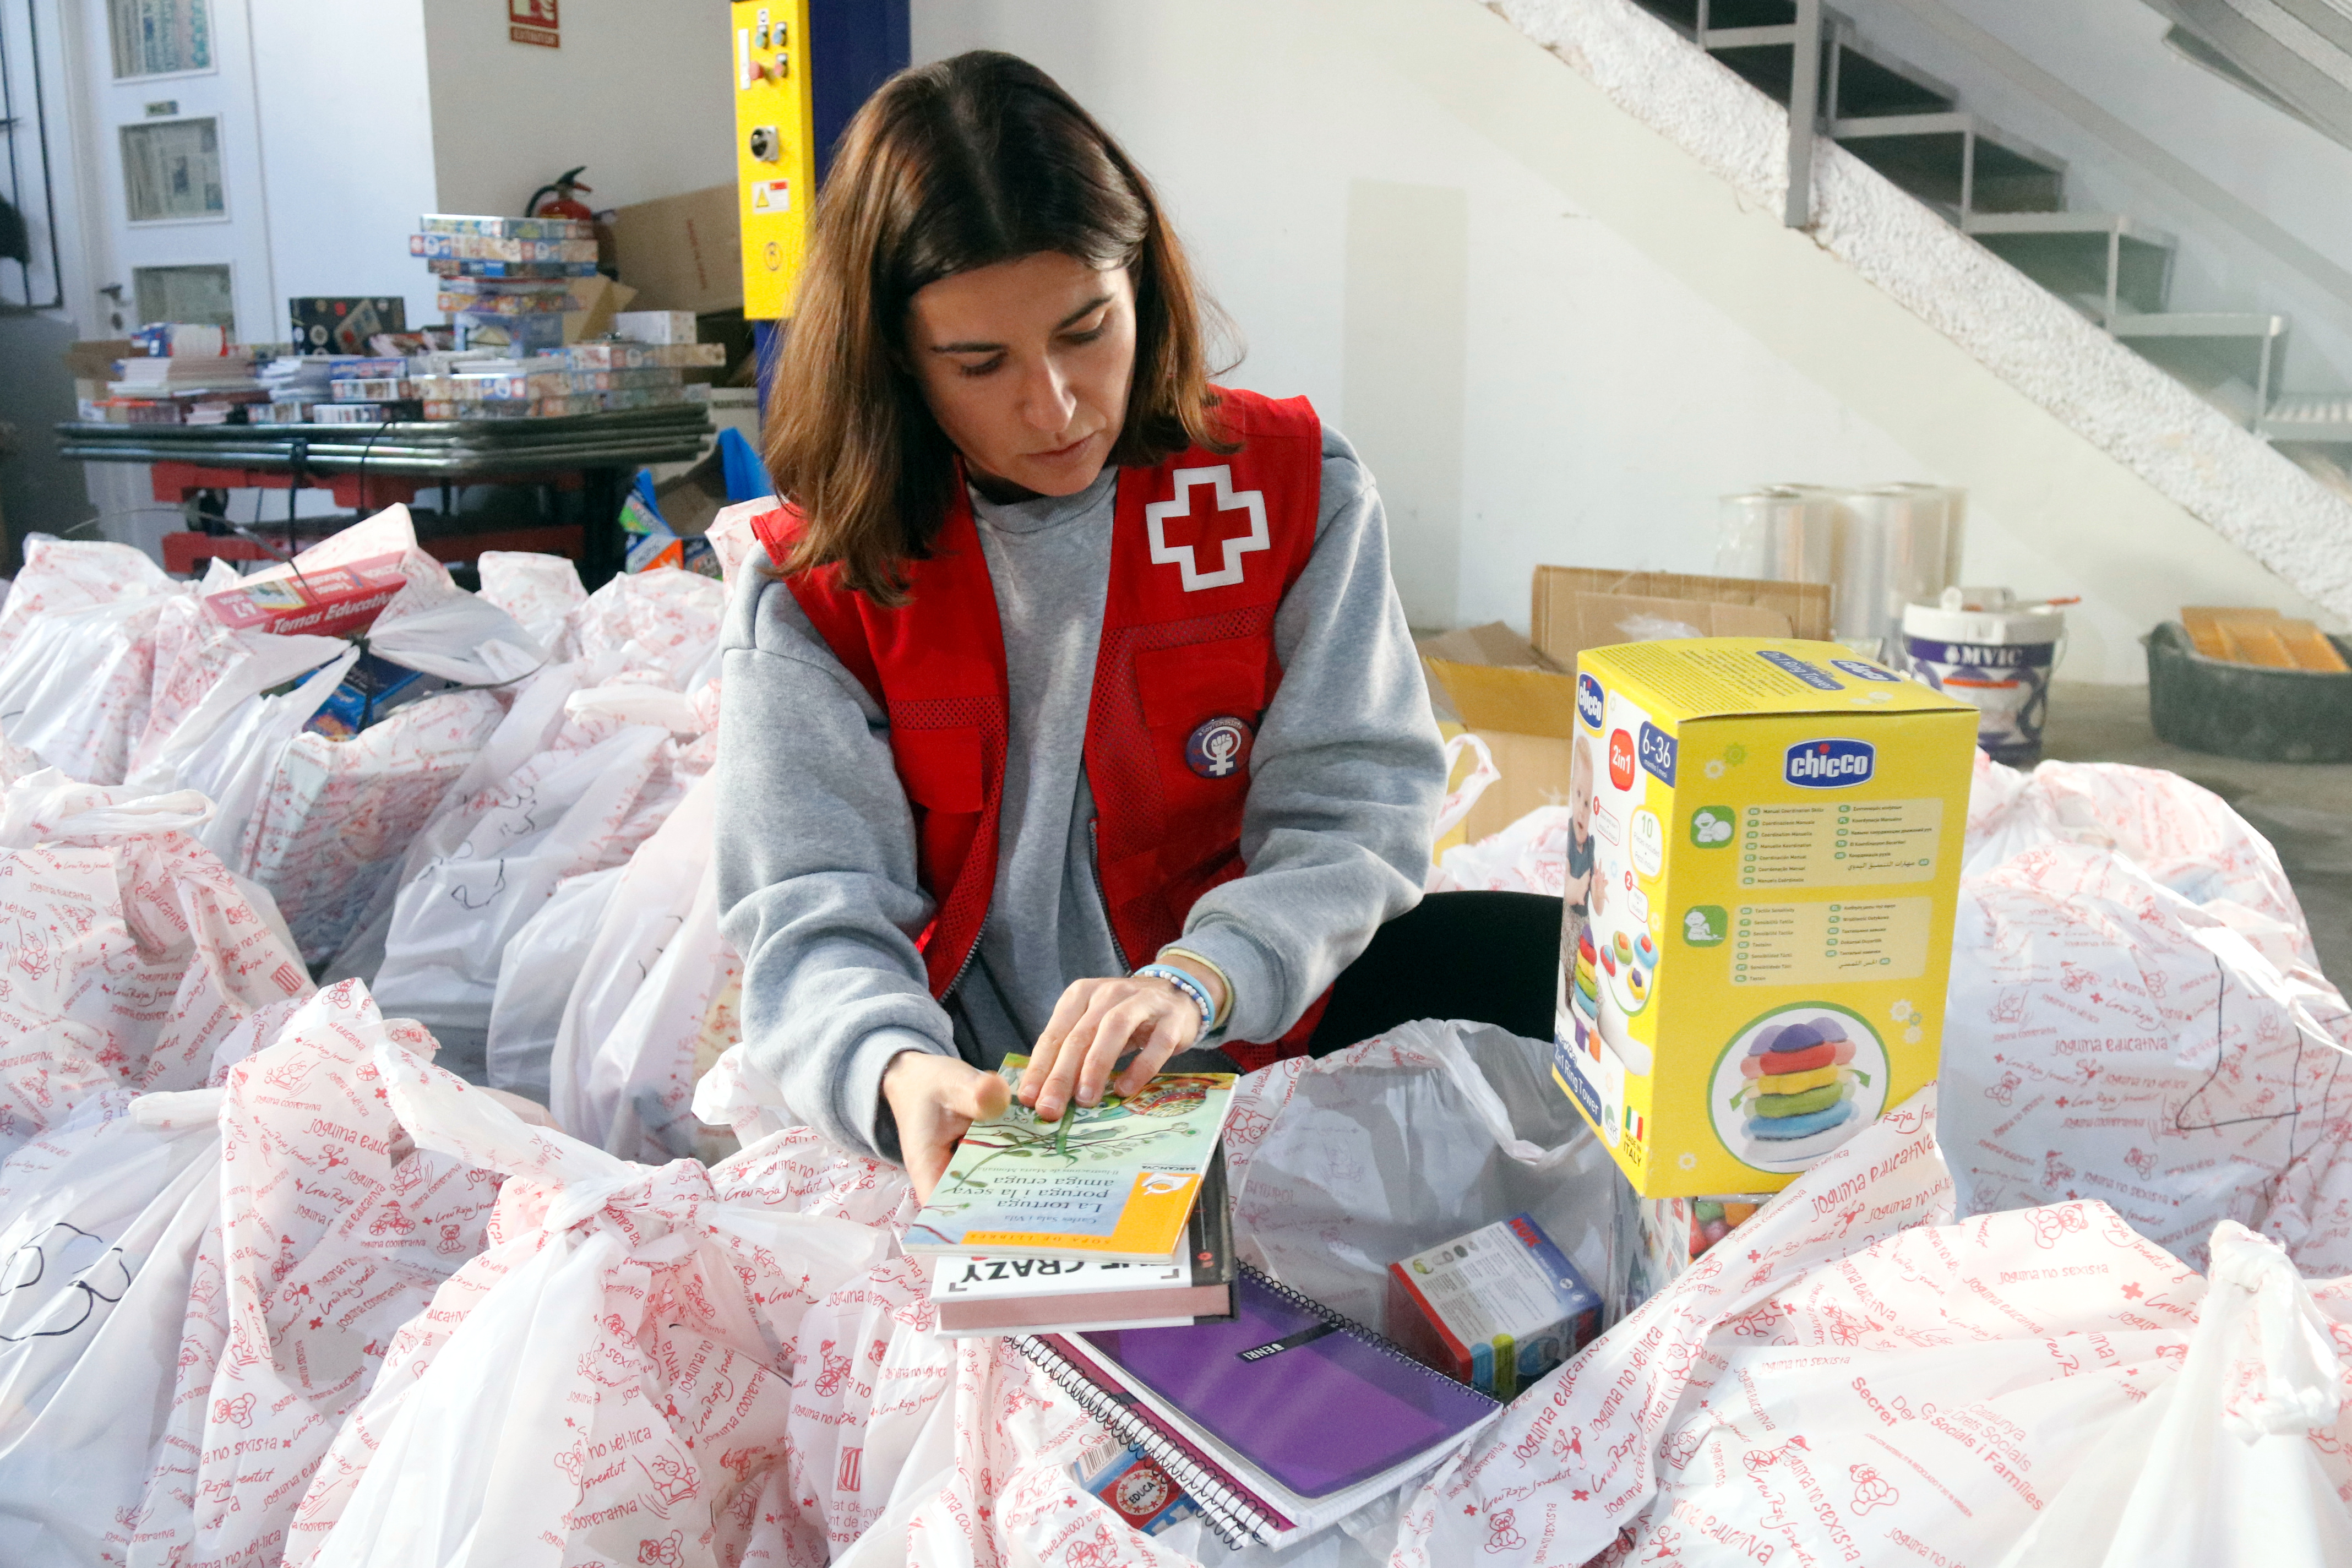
pixel 1026 365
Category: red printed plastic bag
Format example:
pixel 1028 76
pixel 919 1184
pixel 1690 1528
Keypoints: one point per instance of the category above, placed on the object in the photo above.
pixel 539 590
pixel 64 575
pixel 128 952
pixel 204 673
pixel 75 683
pixel 1854 1371
pixel 603 1385
pixel 336 816
pixel 2108 1038
pixel 333 1233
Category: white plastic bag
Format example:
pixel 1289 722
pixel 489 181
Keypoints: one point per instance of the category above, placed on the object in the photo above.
pixel 205 672
pixel 558 815
pixel 104 1219
pixel 1852 1370
pixel 1340 1165
pixel 622 1070
pixel 233 762
pixel 76 684
pixel 539 590
pixel 63 575
pixel 2107 1038
pixel 337 816
pixel 332 1234
pixel 132 953
pixel 541 964
pixel 2239 1461
pixel 604 1385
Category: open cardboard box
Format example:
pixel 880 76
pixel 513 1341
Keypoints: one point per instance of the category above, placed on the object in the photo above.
pixel 1518 694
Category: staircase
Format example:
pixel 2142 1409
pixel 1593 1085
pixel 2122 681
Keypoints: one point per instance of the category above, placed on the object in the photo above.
pixel 2010 197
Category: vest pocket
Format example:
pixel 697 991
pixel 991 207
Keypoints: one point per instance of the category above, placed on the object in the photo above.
pixel 939 768
pixel 1181 687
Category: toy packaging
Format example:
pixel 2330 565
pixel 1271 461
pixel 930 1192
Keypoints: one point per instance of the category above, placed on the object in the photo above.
pixel 1496 1309
pixel 326 601
pixel 1776 831
pixel 1134 1485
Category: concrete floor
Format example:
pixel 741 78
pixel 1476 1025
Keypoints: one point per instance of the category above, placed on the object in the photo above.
pixel 2304 809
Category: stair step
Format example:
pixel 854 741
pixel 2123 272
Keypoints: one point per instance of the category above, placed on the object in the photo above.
pixel 2309 417
pixel 1927 155
pixel 2254 324
pixel 2107 263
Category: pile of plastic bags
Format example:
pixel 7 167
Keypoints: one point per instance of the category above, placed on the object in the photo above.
pixel 293 1278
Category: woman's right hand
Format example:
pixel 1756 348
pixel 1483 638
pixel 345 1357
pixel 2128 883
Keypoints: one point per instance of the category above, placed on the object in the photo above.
pixel 935 1098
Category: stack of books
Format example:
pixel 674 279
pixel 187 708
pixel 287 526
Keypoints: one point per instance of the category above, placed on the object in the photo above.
pixel 1103 1242
pixel 180 389
pixel 1116 1215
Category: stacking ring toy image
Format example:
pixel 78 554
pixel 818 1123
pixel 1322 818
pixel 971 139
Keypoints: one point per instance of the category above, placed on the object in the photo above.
pixel 1584 993
pixel 1796 1084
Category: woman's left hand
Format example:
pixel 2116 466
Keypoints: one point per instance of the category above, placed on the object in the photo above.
pixel 1096 1023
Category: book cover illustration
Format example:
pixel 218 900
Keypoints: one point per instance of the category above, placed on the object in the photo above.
pixel 1113 1181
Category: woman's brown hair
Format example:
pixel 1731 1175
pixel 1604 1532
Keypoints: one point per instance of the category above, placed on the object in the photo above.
pixel 973 160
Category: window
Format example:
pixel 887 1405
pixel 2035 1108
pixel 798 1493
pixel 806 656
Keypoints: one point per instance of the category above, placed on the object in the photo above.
pixel 196 294
pixel 171 169
pixel 160 38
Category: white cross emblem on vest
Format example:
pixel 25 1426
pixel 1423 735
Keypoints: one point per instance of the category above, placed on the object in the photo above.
pixel 1156 516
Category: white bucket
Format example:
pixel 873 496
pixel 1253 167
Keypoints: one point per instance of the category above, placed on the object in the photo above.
pixel 1981 647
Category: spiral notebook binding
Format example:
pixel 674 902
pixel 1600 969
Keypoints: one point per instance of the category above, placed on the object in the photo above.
pixel 1235 1521
pixel 1348 1325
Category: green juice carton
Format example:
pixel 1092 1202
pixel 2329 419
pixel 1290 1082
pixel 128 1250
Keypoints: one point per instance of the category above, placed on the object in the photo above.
pixel 1759 970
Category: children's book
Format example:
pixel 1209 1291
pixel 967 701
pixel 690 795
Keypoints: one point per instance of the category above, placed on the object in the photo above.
pixel 980 1294
pixel 1114 1180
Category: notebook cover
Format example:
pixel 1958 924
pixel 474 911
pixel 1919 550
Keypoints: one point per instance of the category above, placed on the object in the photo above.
pixel 1316 1403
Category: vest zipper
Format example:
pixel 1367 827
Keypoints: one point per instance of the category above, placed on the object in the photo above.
pixel 961 969
pixel 1094 864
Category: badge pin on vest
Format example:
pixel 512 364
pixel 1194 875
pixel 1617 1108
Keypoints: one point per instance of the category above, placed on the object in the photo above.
pixel 1219 748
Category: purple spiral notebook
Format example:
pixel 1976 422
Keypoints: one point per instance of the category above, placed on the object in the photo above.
pixel 1316 1402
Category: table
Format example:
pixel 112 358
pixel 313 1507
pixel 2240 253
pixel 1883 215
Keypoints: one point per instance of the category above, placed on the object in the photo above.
pixel 586 459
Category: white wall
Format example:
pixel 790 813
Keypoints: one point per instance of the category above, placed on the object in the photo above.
pixel 1628 340
pixel 1595 409
pixel 347 160
pixel 640 91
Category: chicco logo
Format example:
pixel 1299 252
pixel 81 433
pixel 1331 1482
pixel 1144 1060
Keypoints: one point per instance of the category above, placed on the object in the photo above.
pixel 1620 759
pixel 1829 764
pixel 1589 697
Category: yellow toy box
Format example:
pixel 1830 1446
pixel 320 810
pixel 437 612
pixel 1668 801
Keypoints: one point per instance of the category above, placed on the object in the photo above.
pixel 1775 838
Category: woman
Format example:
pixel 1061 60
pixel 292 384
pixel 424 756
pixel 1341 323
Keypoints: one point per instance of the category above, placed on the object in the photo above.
pixel 1072 710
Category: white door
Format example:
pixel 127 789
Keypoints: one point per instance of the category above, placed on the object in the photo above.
pixel 175 209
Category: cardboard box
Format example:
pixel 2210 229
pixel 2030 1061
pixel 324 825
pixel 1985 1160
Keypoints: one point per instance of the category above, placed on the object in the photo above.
pixel 594 303
pixel 1776 833
pixel 342 324
pixel 324 600
pixel 682 253
pixel 1578 607
pixel 1493 681
pixel 1496 1309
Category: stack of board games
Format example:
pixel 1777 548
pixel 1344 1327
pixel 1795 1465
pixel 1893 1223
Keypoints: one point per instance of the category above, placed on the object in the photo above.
pixel 1114 1215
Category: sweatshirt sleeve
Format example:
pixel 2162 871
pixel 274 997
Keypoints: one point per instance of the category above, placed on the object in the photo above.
pixel 815 861
pixel 1346 775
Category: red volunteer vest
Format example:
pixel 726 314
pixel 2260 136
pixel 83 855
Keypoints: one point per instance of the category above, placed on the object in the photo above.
pixel 1203 548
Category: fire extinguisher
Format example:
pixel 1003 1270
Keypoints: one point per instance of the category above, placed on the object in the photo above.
pixel 560 201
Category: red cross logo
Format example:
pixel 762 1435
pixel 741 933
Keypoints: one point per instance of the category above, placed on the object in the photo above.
pixel 1236 521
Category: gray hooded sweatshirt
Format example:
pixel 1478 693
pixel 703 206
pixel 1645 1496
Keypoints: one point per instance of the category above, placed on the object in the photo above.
pixel 815 851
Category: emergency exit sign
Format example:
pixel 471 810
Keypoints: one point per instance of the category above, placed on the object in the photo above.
pixel 533 22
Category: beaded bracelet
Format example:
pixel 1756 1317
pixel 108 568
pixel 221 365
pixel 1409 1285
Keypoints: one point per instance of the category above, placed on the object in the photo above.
pixel 1191 987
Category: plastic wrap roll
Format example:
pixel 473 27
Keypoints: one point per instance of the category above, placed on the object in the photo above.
pixel 1782 533
pixel 1895 546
